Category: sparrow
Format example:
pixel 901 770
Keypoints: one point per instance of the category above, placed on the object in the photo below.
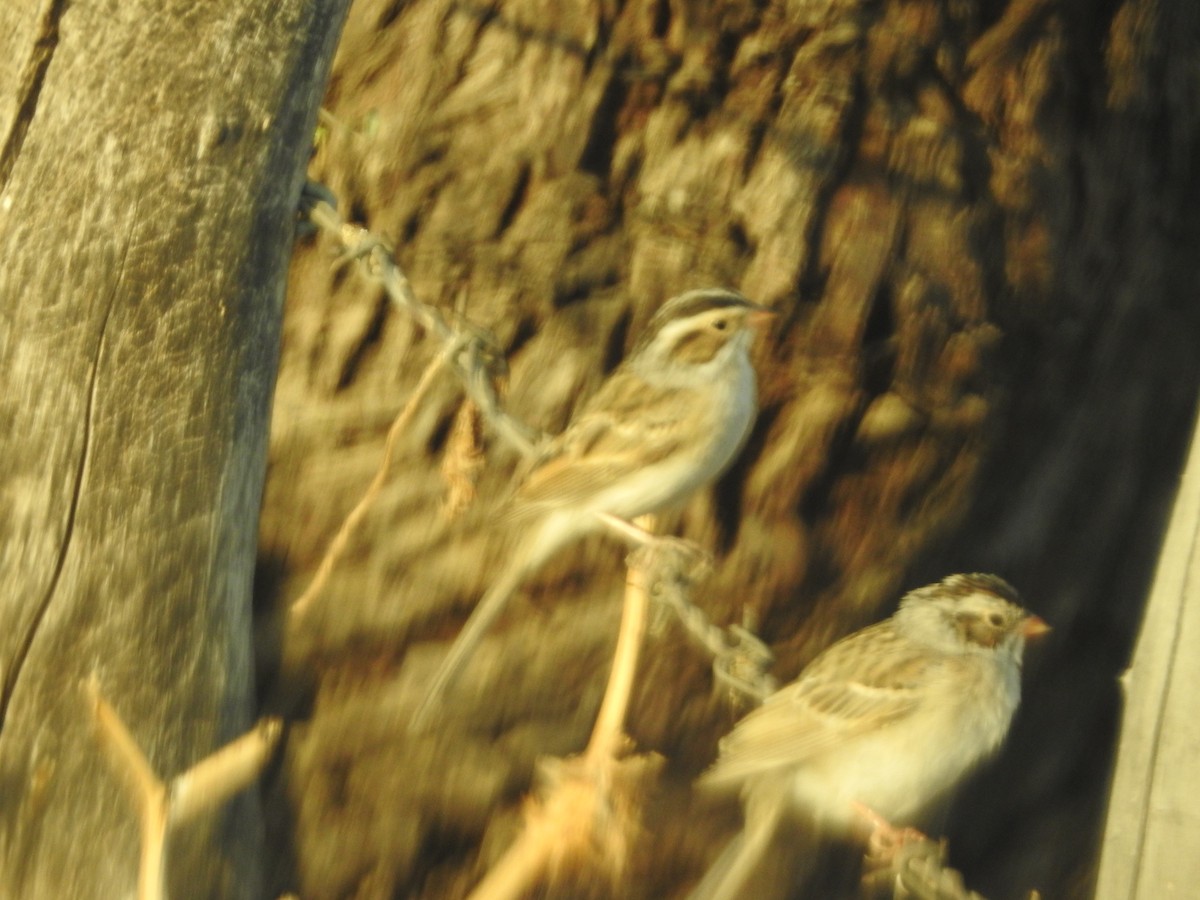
pixel 883 723
pixel 667 421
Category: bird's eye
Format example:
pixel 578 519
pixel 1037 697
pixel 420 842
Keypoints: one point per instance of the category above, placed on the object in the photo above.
pixel 995 620
pixel 720 324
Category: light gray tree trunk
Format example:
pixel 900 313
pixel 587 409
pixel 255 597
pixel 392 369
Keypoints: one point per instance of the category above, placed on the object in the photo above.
pixel 151 156
pixel 1152 839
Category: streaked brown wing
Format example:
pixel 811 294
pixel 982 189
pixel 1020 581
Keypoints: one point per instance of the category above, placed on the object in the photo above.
pixel 626 427
pixel 823 708
pixel 569 478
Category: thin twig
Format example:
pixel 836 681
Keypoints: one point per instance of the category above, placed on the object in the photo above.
pixel 226 771
pixel 149 793
pixel 608 734
pixel 337 546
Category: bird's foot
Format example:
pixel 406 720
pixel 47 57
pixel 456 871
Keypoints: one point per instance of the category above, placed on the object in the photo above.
pixel 885 839
pixel 743 667
pixel 673 554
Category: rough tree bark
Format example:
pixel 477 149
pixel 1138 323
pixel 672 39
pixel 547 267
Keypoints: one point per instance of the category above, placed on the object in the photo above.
pixel 976 220
pixel 151 156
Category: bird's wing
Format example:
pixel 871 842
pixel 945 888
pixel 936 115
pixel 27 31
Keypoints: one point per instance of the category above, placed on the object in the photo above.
pixel 826 706
pixel 627 426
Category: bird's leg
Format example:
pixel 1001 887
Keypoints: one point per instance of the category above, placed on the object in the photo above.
pixel 692 557
pixel 639 536
pixel 627 529
pixel 885 839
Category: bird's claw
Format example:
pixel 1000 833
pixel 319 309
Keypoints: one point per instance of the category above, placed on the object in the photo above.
pixel 672 559
pixel 885 839
pixel 743 666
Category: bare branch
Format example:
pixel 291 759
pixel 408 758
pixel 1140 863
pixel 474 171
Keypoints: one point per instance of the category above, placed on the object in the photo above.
pixel 338 545
pixel 126 754
pixel 205 786
pixel 217 777
pixel 589 811
pixel 608 734
pixel 149 792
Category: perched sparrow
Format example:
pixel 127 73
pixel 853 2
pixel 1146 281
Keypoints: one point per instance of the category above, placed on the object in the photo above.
pixel 666 422
pixel 888 720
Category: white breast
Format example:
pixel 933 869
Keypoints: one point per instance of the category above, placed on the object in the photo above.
pixel 899 770
pixel 724 410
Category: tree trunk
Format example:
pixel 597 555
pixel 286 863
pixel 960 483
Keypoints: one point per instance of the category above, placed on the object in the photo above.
pixel 1152 837
pixel 151 157
pixel 976 221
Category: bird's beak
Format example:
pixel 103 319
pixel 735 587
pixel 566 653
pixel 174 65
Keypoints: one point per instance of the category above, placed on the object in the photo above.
pixel 1033 627
pixel 760 317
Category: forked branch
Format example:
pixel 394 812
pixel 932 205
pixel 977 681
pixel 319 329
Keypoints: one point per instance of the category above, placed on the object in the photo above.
pixel 204 787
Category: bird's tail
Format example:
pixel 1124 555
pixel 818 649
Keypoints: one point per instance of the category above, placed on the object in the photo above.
pixel 480 620
pixel 742 868
pixel 776 853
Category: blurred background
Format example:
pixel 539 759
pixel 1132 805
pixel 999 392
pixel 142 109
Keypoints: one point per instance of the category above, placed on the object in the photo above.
pixel 977 222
